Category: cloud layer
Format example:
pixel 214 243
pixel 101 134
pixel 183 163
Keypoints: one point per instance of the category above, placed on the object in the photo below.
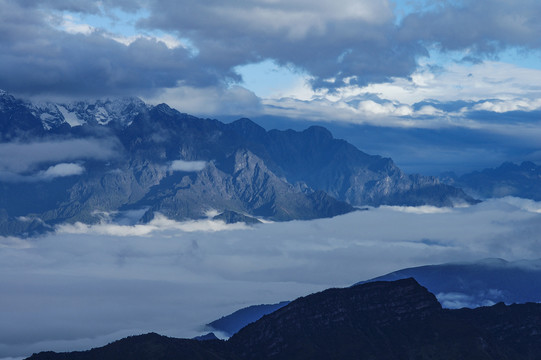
pixel 22 161
pixel 50 49
pixel 174 277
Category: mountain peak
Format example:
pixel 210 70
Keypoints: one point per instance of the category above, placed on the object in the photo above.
pixel 379 320
pixel 319 131
pixel 165 109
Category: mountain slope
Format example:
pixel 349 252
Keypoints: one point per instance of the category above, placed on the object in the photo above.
pixel 379 320
pixel 161 160
pixel 456 285
pixel 508 179
pixel 477 283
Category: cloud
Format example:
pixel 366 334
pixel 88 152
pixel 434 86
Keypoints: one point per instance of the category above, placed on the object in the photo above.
pixel 340 47
pixel 459 300
pixel 61 170
pixel 21 161
pixel 172 277
pixel 425 209
pixel 490 98
pixel 44 60
pixel 211 101
pixel 188 166
pixel 327 39
pixel 51 52
pixel 483 26
pixel 158 224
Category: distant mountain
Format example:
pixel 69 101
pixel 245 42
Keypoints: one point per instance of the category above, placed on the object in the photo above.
pixel 232 323
pixel 479 283
pixel 508 179
pixel 456 285
pixel 158 159
pixel 378 320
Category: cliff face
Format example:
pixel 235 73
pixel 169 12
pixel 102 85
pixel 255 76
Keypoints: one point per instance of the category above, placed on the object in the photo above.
pixel 381 320
pixel 156 158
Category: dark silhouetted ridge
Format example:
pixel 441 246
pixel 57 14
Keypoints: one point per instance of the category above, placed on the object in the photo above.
pixel 380 320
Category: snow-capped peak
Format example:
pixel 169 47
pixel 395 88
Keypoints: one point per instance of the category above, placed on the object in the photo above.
pixel 100 112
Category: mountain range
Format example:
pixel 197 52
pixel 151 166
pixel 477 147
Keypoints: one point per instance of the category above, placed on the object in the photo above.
pixel 376 320
pixel 456 285
pixel 509 179
pixel 90 161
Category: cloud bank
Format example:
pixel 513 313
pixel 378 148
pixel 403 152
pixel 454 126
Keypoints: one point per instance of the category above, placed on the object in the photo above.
pixel 49 47
pixel 174 277
pixel 22 161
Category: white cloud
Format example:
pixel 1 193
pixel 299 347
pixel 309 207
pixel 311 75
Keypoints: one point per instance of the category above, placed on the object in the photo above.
pixel 459 300
pixel 61 170
pixel 506 105
pixel 158 224
pixel 188 166
pixel 22 157
pixel 488 80
pixel 210 101
pixel 14 243
pixel 71 25
pixel 490 86
pixel 523 204
pixel 194 272
pixel 20 162
pixel 425 209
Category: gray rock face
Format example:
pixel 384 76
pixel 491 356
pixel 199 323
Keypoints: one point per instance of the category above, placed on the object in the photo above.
pixel 183 166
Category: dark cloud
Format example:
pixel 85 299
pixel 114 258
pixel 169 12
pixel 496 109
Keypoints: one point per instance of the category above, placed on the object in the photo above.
pixel 44 60
pixel 483 26
pixel 84 6
pixel 328 40
pixel 337 43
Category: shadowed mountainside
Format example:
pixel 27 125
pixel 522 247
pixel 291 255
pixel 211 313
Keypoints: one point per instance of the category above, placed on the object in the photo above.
pixel 164 161
pixel 378 320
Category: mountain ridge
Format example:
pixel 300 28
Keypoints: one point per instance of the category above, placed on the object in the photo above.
pixel 155 158
pixel 383 320
pixel 509 179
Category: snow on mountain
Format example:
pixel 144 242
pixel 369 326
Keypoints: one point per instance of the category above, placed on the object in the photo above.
pixel 99 112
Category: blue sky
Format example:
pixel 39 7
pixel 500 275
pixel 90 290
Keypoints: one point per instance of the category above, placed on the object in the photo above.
pixel 409 66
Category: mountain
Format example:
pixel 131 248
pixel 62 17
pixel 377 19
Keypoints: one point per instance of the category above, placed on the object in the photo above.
pixel 478 283
pixel 456 285
pixel 105 157
pixel 508 179
pixel 378 320
pixel 232 323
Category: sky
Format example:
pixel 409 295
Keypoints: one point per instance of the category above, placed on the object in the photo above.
pixel 83 286
pixel 468 68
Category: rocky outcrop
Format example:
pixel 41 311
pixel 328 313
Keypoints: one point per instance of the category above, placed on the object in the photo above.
pixel 278 175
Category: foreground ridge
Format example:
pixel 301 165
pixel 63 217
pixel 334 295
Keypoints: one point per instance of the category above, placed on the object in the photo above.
pixel 379 320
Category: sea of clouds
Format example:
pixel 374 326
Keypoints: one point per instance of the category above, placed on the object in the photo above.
pixel 86 285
